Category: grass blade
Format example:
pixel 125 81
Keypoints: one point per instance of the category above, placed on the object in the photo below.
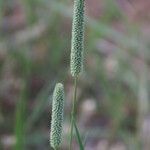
pixel 78 136
pixel 20 120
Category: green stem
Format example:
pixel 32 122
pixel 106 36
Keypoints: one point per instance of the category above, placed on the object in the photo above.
pixel 73 113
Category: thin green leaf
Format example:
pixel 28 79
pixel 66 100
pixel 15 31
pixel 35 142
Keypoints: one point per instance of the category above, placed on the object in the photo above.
pixel 78 136
pixel 85 138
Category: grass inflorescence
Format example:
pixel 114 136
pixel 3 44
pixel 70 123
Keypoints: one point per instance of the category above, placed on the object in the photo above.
pixel 77 42
pixel 57 116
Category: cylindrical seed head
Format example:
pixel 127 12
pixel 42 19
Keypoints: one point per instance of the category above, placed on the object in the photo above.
pixel 77 43
pixel 57 116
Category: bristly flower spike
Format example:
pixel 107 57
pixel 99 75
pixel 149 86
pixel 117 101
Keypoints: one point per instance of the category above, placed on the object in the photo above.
pixel 77 43
pixel 57 116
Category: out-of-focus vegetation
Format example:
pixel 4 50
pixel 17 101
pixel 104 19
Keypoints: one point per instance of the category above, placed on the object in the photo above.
pixel 113 94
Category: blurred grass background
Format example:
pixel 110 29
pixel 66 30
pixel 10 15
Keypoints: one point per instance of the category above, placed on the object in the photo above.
pixel 113 93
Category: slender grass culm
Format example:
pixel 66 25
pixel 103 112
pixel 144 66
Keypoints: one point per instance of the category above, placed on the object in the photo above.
pixel 57 116
pixel 77 46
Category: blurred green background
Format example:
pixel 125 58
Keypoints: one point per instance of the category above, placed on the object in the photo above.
pixel 113 90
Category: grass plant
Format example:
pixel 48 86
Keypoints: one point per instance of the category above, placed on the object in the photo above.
pixel 76 65
pixel 76 62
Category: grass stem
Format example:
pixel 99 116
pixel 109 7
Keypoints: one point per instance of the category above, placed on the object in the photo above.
pixel 73 113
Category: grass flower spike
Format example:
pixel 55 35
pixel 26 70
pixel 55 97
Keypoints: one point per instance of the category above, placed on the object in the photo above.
pixel 57 116
pixel 76 63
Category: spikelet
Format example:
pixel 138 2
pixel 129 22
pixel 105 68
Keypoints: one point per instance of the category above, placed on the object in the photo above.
pixel 57 116
pixel 77 44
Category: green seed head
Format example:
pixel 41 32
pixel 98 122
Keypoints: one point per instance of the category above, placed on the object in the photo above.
pixel 77 43
pixel 57 116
